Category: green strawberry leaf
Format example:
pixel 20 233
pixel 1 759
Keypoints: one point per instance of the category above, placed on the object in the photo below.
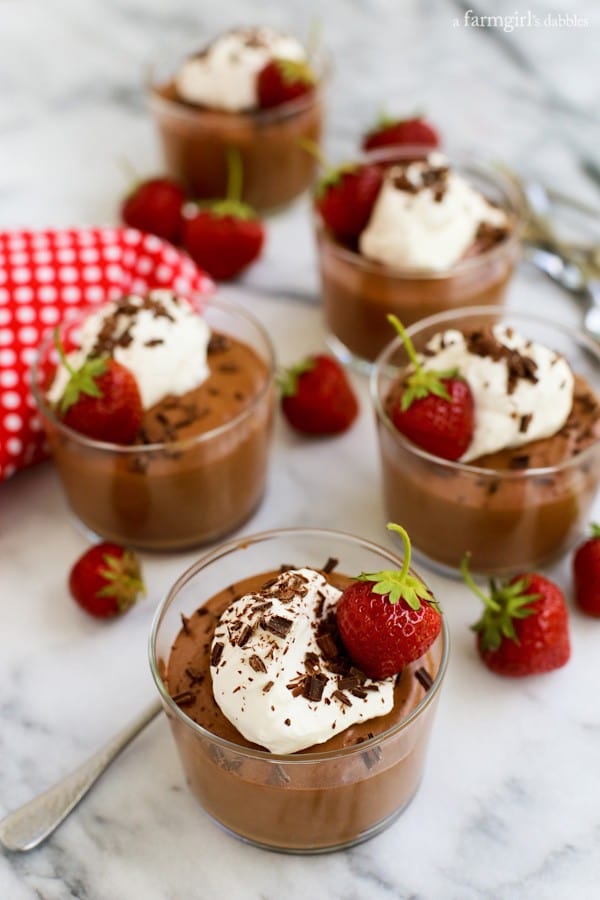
pixel 82 380
pixel 503 605
pixel 294 71
pixel 287 379
pixel 400 584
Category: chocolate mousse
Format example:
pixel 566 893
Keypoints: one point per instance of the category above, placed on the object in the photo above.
pixel 211 105
pixel 197 468
pixel 522 492
pixel 437 239
pixel 365 773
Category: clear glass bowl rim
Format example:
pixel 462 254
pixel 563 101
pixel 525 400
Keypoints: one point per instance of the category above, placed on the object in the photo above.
pixel 175 446
pixel 289 758
pixel 440 319
pixel 462 160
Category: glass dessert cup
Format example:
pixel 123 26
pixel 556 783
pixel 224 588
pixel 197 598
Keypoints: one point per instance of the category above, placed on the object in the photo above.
pixel 276 168
pixel 171 495
pixel 358 293
pixel 312 801
pixel 510 519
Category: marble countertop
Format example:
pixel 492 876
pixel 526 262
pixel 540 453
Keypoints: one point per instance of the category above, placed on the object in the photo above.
pixel 509 804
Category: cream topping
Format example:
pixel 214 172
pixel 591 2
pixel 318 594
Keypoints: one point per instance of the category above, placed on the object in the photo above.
pixel 224 76
pixel 160 338
pixel 270 667
pixel 426 216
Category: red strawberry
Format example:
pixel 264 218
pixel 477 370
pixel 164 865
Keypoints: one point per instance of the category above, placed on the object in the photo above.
pixel 156 206
pixel 225 236
pixel 435 410
pixel 388 619
pixel 586 572
pixel 282 80
pixel 415 132
pixel 524 629
pixel 106 580
pixel 317 397
pixel 345 198
pixel 101 400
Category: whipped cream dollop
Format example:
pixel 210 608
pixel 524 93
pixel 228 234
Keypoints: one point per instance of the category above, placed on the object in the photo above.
pixel 426 216
pixel 522 390
pixel 160 338
pixel 224 75
pixel 270 667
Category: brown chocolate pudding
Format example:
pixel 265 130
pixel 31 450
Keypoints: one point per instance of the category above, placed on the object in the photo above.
pixel 323 797
pixel 276 168
pixel 513 509
pixel 198 468
pixel 360 292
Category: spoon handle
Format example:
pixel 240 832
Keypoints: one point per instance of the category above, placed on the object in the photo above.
pixel 29 825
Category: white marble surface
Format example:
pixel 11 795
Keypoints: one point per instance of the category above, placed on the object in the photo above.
pixel 509 805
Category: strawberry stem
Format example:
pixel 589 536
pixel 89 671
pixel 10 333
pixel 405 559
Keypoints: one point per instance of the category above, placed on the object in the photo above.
pixel 408 344
pixel 595 530
pixel 235 175
pixel 61 352
pixel 391 526
pixel 468 579
pixel 315 151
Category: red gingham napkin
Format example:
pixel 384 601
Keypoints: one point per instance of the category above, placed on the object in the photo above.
pixel 44 277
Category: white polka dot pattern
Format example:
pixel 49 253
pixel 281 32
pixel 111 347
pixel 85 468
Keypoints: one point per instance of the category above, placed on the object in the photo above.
pixel 47 276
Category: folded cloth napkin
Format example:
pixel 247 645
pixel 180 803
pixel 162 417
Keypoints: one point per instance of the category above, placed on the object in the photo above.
pixel 46 276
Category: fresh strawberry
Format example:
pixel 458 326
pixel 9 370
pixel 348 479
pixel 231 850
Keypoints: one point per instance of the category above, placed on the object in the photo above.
pixel 387 619
pixel 435 410
pixel 155 206
pixel 317 397
pixel 101 400
pixel 345 198
pixel 106 580
pixel 282 80
pixel 414 132
pixel 524 629
pixel 586 572
pixel 225 236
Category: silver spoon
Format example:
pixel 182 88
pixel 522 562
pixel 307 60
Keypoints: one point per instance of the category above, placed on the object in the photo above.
pixel 26 827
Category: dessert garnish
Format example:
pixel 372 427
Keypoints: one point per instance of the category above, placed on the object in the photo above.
pixel 388 619
pixel 524 629
pixel 427 216
pixel 389 131
pixel 281 80
pixel 345 194
pixel 586 573
pixel 225 236
pixel 155 206
pixel 435 407
pixel 317 397
pixel 106 580
pixel 522 390
pixel 132 353
pixel 279 671
pixel 101 398
pixel 227 74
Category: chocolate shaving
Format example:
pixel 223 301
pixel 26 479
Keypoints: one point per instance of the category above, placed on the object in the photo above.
pixel 217 652
pixel 314 686
pixel 184 698
pixel 278 625
pixel 244 637
pixel 519 462
pixel 154 342
pixel 423 677
pixel 311 662
pixel 483 342
pixel 256 663
pixel 218 343
pixel 327 646
pixel 267 687
pixel 195 676
pixel 343 698
pixel 525 422
pixel 330 565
